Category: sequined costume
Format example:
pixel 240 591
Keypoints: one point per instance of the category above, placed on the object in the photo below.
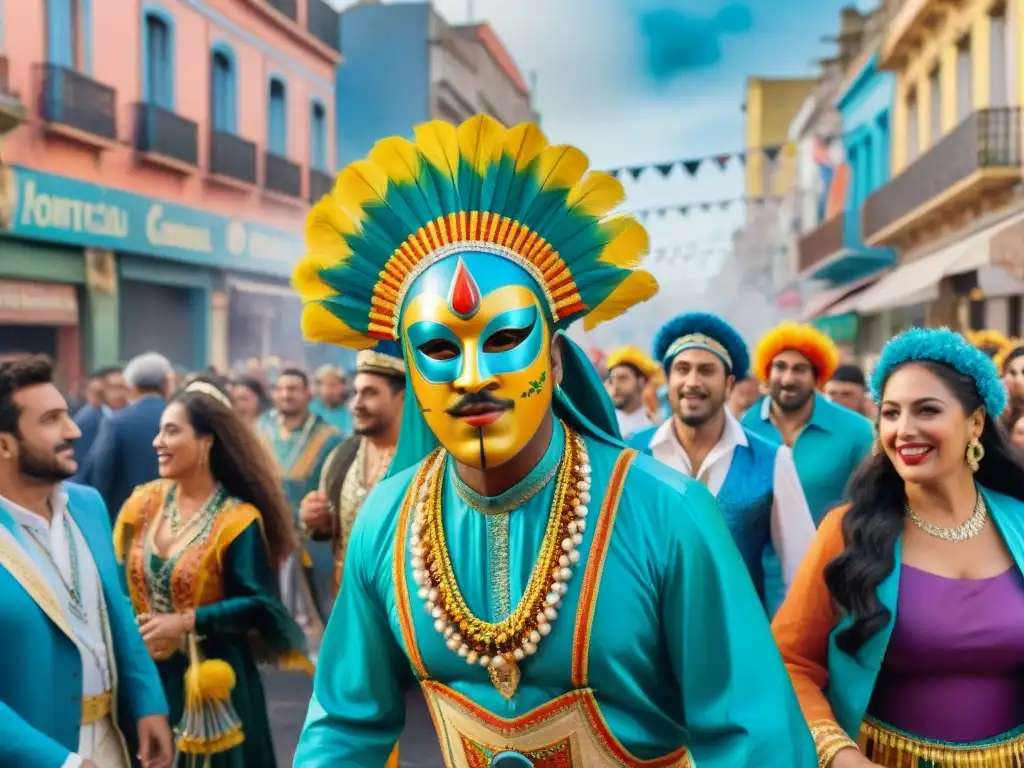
pixel 595 613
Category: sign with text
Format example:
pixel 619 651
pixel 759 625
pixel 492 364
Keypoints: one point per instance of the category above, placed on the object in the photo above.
pixel 37 303
pixel 66 210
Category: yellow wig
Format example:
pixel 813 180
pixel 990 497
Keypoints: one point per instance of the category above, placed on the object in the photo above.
pixel 993 343
pixel 635 357
pixel 818 348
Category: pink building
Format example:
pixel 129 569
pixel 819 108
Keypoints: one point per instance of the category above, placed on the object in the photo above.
pixel 160 160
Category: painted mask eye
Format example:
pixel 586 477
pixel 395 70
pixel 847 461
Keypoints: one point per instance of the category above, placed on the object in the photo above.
pixel 507 338
pixel 439 349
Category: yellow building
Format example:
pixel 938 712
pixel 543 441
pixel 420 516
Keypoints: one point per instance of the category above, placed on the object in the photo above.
pixel 771 105
pixel 956 160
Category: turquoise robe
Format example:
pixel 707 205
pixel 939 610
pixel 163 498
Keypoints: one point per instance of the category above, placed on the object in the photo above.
pixel 679 638
pixel 41 667
pixel 852 681
pixel 339 417
pixel 301 460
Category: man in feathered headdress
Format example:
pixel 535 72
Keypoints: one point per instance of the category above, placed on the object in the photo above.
pixel 828 441
pixel 498 560
pixel 630 371
pixel 754 480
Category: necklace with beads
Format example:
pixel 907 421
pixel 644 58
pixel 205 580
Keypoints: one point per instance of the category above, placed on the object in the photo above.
pixel 500 647
pixel 966 530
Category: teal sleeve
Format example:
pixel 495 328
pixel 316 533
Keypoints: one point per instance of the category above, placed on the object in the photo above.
pixel 739 704
pixel 358 707
pixel 23 745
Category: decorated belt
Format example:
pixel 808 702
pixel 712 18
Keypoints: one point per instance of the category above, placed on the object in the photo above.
pixel 888 746
pixel 95 708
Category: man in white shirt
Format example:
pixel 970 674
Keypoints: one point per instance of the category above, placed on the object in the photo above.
pixel 77 685
pixel 629 372
pixel 754 481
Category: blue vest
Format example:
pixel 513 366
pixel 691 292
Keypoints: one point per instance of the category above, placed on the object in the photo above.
pixel 745 500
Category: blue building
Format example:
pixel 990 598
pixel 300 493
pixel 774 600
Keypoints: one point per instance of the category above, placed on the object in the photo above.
pixel 404 65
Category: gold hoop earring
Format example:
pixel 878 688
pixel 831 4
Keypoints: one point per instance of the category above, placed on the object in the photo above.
pixel 975 453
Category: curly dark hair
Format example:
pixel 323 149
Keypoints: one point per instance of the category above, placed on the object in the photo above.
pixel 240 463
pixel 875 518
pixel 17 374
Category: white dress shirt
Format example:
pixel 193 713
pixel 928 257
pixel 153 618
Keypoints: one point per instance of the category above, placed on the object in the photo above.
pixel 792 527
pixel 631 423
pixel 90 634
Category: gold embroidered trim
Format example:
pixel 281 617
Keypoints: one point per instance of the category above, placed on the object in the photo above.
pixel 829 740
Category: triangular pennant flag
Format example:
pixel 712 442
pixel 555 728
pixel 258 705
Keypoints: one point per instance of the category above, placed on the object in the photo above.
pixel 636 170
pixel 724 205
pixel 683 210
pixel 722 161
pixel 771 153
pixel 691 166
pixel 665 169
pixel 615 172
pixel 661 213
pixel 741 158
pixel 705 206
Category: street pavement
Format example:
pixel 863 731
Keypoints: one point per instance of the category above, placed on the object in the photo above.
pixel 288 696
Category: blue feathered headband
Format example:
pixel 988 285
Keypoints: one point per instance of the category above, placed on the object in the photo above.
pixel 701 330
pixel 941 345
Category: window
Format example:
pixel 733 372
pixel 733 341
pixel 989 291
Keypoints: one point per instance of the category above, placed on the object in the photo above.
pixel 913 127
pixel 67 30
pixel 964 71
pixel 223 95
pixel 158 60
pixel 318 139
pixel 935 96
pixel 277 119
pixel 999 91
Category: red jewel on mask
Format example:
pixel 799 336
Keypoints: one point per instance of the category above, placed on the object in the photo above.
pixel 464 295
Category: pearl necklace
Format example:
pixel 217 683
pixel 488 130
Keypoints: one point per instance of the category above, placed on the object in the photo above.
pixel 500 646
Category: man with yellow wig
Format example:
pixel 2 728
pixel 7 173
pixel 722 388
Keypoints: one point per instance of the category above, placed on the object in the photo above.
pixel 828 441
pixel 560 600
pixel 630 372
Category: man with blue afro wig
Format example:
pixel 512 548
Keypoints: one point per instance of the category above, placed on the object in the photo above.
pixel 754 481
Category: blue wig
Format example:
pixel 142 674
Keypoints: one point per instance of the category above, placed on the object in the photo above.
pixel 702 324
pixel 941 345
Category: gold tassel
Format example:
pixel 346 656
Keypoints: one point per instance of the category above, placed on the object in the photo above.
pixel 210 724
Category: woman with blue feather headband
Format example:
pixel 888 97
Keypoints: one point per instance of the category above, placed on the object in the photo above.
pixel 904 630
pixel 560 600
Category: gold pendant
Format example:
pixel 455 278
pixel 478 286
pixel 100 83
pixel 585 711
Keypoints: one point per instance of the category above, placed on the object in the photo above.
pixel 506 677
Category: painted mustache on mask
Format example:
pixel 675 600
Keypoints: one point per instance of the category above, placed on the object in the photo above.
pixel 479 402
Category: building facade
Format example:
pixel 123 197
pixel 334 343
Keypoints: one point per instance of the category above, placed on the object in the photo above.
pixel 953 209
pixel 404 65
pixel 154 197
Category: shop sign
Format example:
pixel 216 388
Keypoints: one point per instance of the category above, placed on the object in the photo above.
pixel 37 303
pixel 66 210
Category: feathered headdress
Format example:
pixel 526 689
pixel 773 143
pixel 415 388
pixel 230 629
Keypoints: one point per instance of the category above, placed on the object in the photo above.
pixel 805 339
pixel 705 331
pixel 478 186
pixel 993 343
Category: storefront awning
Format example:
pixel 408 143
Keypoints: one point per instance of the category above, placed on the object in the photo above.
pixel 819 305
pixel 918 281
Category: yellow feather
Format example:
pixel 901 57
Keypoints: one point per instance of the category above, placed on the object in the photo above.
pixel 598 194
pixel 319 324
pixel 628 243
pixel 306 280
pixel 438 142
pixel 359 183
pixel 524 143
pixel 325 230
pixel 480 140
pixel 398 158
pixel 561 167
pixel 637 288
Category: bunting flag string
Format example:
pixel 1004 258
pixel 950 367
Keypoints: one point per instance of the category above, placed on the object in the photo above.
pixel 706 206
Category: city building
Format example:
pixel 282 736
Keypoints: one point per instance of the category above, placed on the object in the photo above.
pixel 953 209
pixel 404 65
pixel 834 264
pixel 770 106
pixel 154 197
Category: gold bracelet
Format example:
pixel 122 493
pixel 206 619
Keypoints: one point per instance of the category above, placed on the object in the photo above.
pixel 190 620
pixel 829 740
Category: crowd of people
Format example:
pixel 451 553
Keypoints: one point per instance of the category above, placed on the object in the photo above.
pixel 706 555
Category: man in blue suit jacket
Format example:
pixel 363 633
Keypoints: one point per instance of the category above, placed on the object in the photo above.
pixel 105 393
pixel 77 684
pixel 123 456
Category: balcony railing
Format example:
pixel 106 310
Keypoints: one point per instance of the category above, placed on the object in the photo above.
pixel 289 8
pixel 162 132
pixel 988 140
pixel 320 184
pixel 70 99
pixel 232 157
pixel 818 244
pixel 324 23
pixel 281 176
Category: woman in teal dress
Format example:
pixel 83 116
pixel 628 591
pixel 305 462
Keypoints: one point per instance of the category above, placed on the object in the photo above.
pixel 200 549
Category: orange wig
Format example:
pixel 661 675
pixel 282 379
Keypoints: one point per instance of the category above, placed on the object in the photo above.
pixel 818 348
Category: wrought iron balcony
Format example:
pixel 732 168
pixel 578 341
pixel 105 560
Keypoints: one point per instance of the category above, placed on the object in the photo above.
pixel 821 243
pixel 979 156
pixel 289 8
pixel 232 157
pixel 281 176
pixel 72 103
pixel 320 184
pixel 324 23
pixel 167 135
